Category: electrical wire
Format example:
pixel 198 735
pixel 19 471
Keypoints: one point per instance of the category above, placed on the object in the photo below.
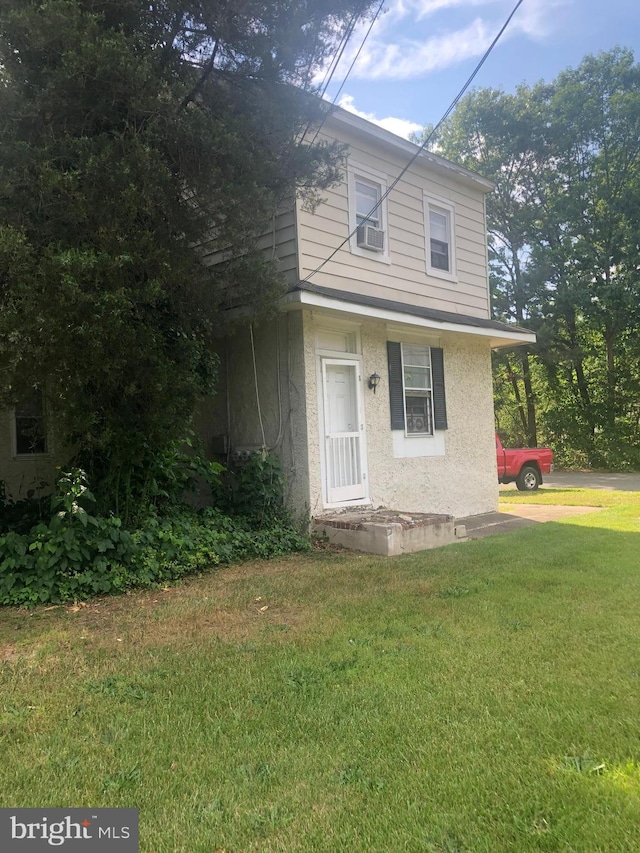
pixel 350 69
pixel 255 379
pixel 331 70
pixel 333 65
pixel 422 147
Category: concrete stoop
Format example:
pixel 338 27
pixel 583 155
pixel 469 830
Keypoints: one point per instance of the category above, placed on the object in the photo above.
pixel 388 533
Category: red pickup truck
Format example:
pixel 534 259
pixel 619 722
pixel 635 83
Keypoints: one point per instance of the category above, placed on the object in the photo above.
pixel 525 465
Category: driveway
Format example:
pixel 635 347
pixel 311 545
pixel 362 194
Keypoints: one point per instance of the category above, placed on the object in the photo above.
pixel 592 480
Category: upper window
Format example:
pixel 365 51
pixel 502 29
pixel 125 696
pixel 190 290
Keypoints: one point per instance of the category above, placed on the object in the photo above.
pixel 368 196
pixel 30 428
pixel 368 224
pixel 440 236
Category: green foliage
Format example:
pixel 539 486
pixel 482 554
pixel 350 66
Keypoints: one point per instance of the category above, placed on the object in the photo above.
pixel 75 555
pixel 136 140
pixel 564 253
pixel 158 480
pixel 21 515
pixel 255 490
pixel 78 554
pixel 193 541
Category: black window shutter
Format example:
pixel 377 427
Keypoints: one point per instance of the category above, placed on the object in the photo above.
pixel 439 399
pixel 396 394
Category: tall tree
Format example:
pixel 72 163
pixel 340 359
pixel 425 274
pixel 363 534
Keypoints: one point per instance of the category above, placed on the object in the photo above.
pixel 131 135
pixel 588 252
pixel 498 135
pixel 564 251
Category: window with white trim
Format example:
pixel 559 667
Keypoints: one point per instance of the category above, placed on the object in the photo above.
pixel 440 237
pixel 30 426
pixel 416 388
pixel 418 401
pixel 367 213
pixel 368 196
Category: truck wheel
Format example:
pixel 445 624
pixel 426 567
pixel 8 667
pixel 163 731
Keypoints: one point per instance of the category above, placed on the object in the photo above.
pixel 528 479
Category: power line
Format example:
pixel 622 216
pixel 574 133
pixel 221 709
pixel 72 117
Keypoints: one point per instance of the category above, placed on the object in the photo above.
pixel 341 49
pixel 424 144
pixel 333 65
pixel 362 44
pixel 350 69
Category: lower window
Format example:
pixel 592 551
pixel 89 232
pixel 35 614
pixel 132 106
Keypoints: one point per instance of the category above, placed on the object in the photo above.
pixel 416 388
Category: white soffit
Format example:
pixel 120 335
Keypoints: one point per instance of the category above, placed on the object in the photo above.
pixel 498 337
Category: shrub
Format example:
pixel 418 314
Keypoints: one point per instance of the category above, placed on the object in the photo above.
pixel 75 555
pixel 78 554
pixel 255 490
pixel 195 541
pixel 21 515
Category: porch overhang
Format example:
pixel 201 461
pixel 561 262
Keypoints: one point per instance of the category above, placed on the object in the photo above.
pixel 305 295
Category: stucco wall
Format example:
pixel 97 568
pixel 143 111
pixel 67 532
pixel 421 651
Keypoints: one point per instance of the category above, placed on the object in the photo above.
pixel 281 385
pixel 460 482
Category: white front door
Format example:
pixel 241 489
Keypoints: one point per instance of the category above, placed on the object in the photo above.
pixel 344 462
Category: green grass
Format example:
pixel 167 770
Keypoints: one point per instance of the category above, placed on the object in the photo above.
pixel 480 697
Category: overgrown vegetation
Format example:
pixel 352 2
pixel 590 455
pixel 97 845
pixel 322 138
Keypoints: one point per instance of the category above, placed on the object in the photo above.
pixel 137 140
pixel 480 698
pixel 73 553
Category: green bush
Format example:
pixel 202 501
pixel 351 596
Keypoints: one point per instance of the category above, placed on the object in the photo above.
pixel 254 489
pixel 21 515
pixel 195 541
pixel 77 554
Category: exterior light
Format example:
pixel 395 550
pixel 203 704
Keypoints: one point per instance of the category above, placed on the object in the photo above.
pixel 374 380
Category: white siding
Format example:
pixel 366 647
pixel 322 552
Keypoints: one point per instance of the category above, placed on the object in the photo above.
pixel 278 243
pixel 405 277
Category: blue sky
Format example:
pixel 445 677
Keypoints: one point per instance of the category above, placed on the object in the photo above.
pixel 420 52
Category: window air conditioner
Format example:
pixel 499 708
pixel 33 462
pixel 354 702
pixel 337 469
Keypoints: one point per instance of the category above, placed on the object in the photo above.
pixel 370 238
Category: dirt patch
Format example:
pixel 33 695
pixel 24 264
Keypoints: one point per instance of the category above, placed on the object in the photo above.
pixel 235 603
pixel 8 654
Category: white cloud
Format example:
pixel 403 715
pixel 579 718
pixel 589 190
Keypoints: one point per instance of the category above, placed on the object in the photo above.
pixel 393 52
pixel 538 18
pixel 397 10
pixel 399 126
pixel 408 58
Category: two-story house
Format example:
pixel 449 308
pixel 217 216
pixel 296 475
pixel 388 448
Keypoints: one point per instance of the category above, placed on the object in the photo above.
pixel 373 385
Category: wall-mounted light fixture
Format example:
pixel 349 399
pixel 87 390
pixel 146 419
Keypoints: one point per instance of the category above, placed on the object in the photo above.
pixel 374 381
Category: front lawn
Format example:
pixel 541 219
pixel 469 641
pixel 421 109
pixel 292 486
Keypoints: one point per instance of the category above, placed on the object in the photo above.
pixel 479 697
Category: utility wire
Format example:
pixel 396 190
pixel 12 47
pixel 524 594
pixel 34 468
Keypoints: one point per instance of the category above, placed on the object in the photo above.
pixel 424 144
pixel 346 76
pixel 331 68
pixel 333 65
pixel 336 60
pixel 359 51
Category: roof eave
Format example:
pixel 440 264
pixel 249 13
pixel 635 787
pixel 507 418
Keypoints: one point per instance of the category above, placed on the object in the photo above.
pixel 409 148
pixel 297 299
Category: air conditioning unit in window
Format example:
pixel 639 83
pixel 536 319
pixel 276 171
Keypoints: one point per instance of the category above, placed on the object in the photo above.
pixel 370 238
